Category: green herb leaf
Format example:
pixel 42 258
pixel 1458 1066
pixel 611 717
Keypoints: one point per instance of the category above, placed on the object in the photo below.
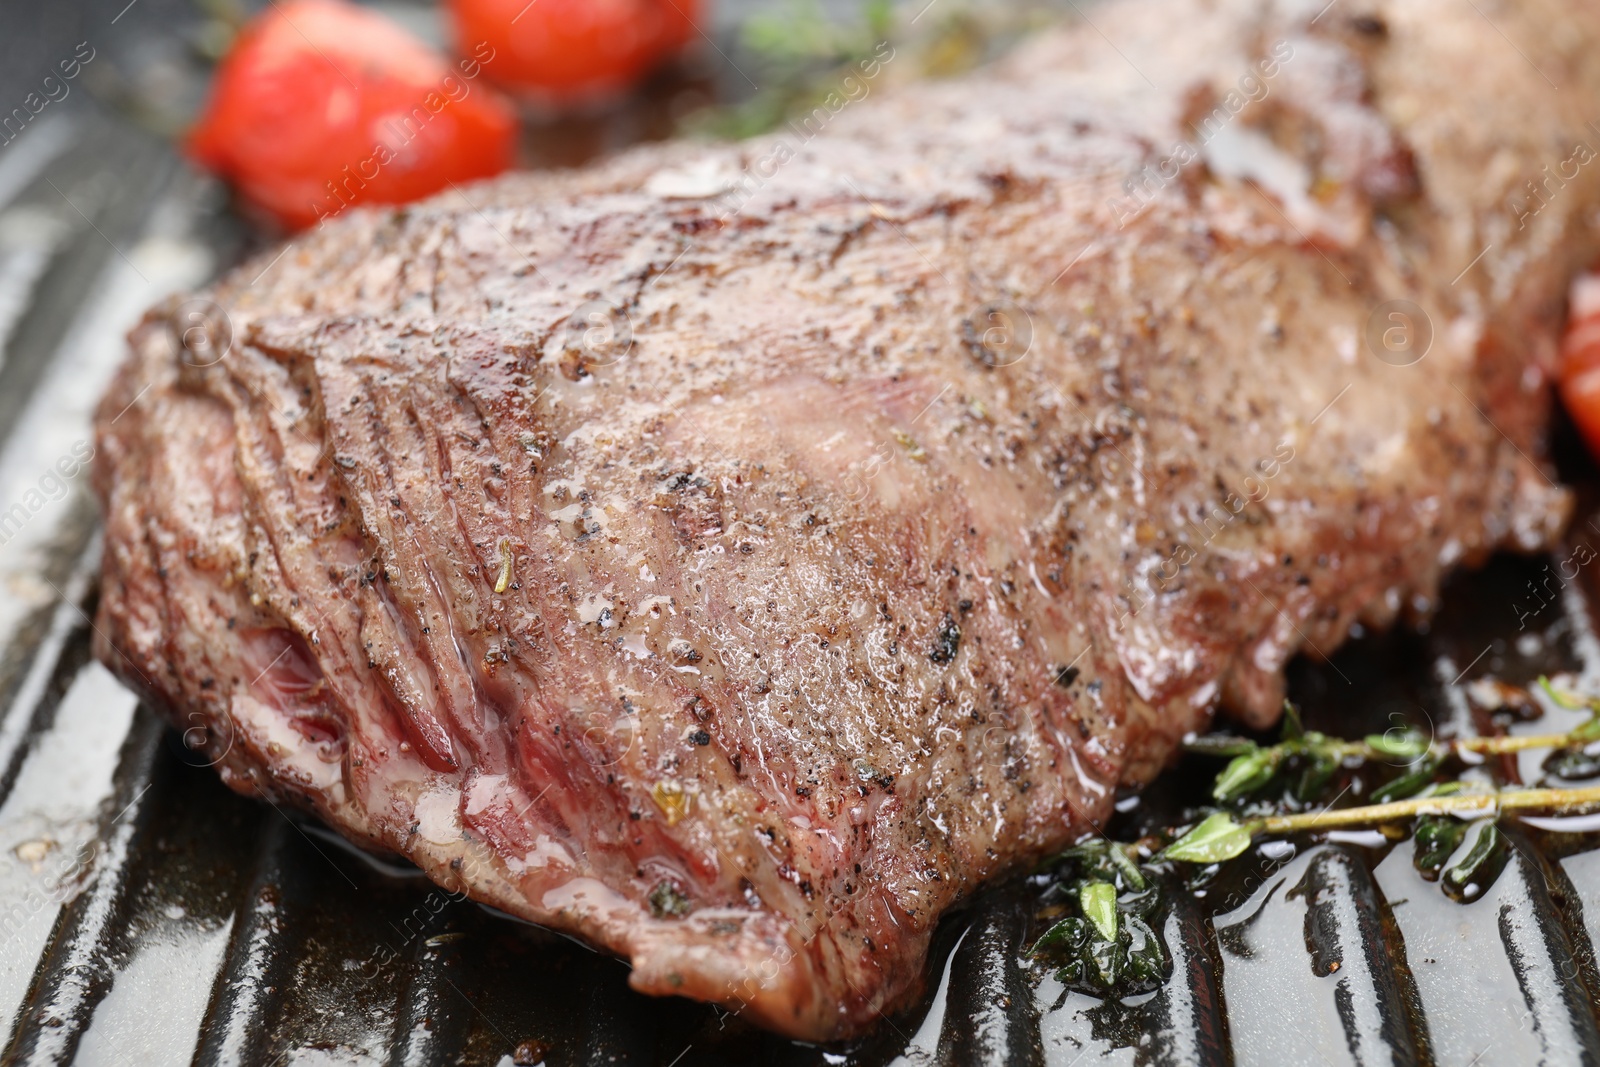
pixel 1589 731
pixel 1217 838
pixel 1404 744
pixel 1484 860
pixel 1099 903
pixel 1130 870
pixel 1071 973
pixel 1245 774
pixel 1102 860
pixel 1564 700
pixel 1314 778
pixel 1109 960
pixel 1293 728
pixel 1143 902
pixel 1436 839
pixel 1062 939
pixel 1146 961
pixel 1414 781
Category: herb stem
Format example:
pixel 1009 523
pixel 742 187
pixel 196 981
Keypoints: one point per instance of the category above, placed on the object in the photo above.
pixel 1494 746
pixel 1564 801
pixel 1488 746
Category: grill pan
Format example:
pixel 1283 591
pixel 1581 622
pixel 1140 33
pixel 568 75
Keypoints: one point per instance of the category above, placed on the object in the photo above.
pixel 150 916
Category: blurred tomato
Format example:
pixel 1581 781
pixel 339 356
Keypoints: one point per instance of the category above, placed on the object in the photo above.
pixel 566 50
pixel 1580 361
pixel 321 104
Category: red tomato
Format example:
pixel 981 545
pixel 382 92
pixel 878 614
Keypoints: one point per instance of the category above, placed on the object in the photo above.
pixel 566 50
pixel 321 104
pixel 1580 361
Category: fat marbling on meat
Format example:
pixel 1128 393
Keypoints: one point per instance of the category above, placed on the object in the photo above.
pixel 736 555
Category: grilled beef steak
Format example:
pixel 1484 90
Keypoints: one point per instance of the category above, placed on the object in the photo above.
pixel 736 555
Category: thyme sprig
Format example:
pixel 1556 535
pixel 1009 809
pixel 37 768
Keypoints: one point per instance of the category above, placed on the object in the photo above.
pixel 1109 946
pixel 1252 766
pixel 1439 808
pixel 1221 837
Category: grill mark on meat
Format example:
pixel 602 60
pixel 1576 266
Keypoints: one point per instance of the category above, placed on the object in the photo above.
pixel 719 719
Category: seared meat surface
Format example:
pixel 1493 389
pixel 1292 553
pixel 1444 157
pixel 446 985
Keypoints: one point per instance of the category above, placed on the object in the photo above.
pixel 735 555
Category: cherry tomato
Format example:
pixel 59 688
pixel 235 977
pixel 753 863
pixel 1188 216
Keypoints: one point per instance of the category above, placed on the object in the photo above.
pixel 321 104
pixel 1580 361
pixel 568 50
